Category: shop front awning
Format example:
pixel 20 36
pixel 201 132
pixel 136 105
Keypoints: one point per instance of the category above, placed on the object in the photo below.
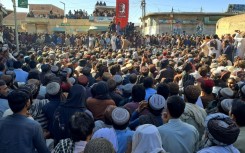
pixel 83 29
pixel 98 28
pixel 58 29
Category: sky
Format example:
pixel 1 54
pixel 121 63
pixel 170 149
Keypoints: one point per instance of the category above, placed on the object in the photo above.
pixel 135 9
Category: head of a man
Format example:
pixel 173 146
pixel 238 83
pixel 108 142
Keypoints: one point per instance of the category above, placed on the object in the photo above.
pixel 19 100
pixel 120 118
pixel 192 93
pixel 144 70
pixel 81 126
pixel 4 90
pixel 175 108
pixel 237 112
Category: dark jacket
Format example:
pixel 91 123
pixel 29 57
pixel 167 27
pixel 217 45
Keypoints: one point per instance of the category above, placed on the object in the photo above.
pixel 75 103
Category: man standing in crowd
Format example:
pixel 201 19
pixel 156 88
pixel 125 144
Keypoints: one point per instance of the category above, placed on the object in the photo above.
pixel 118 28
pixel 240 39
pixel 3 97
pixel 238 114
pixel 19 133
pixel 91 41
pixel 125 43
pixel 113 41
pixel 172 66
pixel 21 76
pixel 176 135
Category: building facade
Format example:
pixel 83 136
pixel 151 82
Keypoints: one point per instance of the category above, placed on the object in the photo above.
pixel 3 12
pixel 42 23
pixel 45 10
pixel 181 22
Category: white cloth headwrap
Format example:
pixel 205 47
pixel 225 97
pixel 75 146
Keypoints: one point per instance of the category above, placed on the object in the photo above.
pixel 147 139
pixel 109 134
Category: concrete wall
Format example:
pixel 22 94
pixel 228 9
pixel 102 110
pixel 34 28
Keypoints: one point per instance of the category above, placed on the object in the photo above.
pixel 39 9
pixel 177 23
pixel 44 25
pixel 228 25
pixel 189 29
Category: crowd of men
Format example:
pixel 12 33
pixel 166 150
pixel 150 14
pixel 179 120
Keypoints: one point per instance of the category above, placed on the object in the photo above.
pixel 100 3
pixel 112 93
pixel 50 15
pixel 77 14
pixel 104 13
pixel 99 12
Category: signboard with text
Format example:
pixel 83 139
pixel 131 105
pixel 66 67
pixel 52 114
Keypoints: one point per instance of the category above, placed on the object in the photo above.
pixel 23 3
pixel 100 19
pixel 163 21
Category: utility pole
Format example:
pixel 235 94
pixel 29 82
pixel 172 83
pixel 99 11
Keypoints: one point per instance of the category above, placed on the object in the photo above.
pixel 143 8
pixel 143 3
pixel 172 19
pixel 16 27
pixel 1 14
pixel 64 8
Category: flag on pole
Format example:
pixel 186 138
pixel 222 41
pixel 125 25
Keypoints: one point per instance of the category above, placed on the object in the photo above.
pixel 23 3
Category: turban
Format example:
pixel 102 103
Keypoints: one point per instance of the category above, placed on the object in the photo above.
pixel 221 129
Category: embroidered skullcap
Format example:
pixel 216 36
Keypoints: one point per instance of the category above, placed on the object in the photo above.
pixel 128 88
pixel 226 92
pixel 226 105
pixel 109 134
pixel 67 70
pixel 157 102
pixel 120 116
pixel 118 78
pixel 71 80
pixel 53 88
pixel 99 145
pixel 54 69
